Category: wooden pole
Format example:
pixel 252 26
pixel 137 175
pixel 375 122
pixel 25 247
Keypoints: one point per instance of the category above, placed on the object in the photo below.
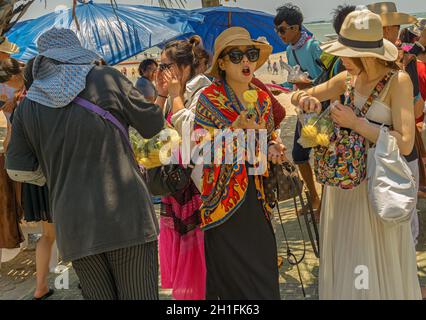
pixel 210 3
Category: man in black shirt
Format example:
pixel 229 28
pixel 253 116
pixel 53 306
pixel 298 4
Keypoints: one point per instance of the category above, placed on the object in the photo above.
pixel 105 222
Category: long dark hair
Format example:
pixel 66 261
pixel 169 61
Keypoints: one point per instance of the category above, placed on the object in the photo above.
pixel 187 53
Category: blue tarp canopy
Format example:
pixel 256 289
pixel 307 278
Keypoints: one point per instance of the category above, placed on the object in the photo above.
pixel 142 27
pixel 217 19
pixel 137 29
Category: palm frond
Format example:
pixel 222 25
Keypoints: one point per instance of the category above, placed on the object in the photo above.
pixel 10 13
pixel 12 10
pixel 171 3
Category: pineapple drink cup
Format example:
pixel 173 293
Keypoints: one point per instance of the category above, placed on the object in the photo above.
pixel 152 153
pixel 325 131
pixel 316 130
pixel 251 97
pixel 137 144
pixel 309 131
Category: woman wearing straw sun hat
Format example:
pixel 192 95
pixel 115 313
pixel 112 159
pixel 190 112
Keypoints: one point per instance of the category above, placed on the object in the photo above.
pixel 240 247
pixel 361 256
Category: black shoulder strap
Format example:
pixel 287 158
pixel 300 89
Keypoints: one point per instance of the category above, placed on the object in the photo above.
pixel 374 94
pixel 297 60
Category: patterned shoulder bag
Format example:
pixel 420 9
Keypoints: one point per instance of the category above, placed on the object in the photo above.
pixel 343 164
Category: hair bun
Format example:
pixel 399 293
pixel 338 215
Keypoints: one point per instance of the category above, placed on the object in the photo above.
pixel 196 41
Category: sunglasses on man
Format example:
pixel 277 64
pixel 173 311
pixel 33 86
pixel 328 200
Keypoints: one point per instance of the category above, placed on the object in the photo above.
pixel 236 55
pixel 281 30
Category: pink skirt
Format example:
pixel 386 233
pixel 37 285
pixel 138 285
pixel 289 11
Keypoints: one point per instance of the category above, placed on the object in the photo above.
pixel 181 246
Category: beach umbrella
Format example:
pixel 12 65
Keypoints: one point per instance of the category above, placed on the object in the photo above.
pixel 217 19
pixel 116 33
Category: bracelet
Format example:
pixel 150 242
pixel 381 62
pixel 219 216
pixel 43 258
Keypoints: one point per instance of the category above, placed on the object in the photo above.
pixel 297 96
pixel 164 97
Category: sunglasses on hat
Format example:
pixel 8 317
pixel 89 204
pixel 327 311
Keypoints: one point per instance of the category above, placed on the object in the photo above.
pixel 236 55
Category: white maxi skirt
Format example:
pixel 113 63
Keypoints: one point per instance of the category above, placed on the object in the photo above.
pixel 363 257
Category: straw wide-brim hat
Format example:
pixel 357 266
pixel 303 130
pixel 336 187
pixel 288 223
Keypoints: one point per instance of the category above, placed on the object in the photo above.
pixel 390 15
pixel 236 36
pixel 361 36
pixel 8 47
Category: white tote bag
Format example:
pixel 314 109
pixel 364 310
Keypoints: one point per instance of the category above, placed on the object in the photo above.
pixel 391 185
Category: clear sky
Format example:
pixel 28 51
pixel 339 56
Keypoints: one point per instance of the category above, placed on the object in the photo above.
pixel 312 9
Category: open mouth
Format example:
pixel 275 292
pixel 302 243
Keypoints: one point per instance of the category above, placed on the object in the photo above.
pixel 246 71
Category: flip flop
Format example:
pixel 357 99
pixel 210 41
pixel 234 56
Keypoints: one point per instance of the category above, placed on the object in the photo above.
pixel 47 295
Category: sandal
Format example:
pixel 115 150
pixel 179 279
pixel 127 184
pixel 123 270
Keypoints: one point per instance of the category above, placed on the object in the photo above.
pixel 45 296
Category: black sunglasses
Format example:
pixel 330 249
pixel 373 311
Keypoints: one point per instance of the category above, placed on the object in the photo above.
pixel 236 55
pixel 165 66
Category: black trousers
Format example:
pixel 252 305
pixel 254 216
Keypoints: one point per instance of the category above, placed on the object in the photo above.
pixel 123 274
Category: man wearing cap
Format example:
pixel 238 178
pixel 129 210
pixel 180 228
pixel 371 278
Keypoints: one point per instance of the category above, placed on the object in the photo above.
pixel 71 132
pixel 392 21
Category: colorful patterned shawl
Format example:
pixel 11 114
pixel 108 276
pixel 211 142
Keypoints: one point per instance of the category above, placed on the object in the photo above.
pixel 225 186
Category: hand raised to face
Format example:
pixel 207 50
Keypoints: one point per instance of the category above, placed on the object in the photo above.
pixel 174 84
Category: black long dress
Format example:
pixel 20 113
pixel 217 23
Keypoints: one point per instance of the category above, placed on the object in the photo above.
pixel 35 201
pixel 241 255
